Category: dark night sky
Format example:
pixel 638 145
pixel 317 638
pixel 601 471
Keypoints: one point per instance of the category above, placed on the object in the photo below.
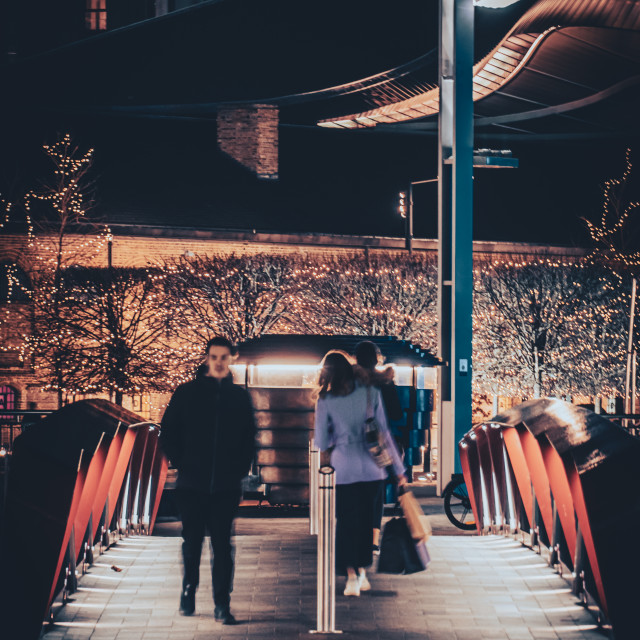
pixel 167 171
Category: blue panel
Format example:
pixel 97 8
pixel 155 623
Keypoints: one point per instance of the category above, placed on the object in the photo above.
pixel 417 438
pixel 412 456
pixel 390 494
pixel 420 420
pixel 424 400
pixel 404 394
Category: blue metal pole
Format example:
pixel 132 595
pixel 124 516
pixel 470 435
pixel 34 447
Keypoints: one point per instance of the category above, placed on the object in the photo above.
pixel 455 208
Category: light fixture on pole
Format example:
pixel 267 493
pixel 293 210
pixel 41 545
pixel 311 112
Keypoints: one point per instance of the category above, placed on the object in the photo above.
pixel 482 159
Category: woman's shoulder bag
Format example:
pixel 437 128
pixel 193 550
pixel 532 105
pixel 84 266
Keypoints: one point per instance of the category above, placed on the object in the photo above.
pixel 374 437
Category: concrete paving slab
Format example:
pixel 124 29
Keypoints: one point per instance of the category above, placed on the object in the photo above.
pixel 475 588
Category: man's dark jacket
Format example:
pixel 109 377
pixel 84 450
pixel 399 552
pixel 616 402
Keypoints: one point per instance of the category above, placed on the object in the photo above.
pixel 208 434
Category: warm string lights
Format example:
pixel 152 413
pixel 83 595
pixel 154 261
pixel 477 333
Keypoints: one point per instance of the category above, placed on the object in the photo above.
pixel 612 234
pixel 4 204
pixel 548 328
pixel 542 325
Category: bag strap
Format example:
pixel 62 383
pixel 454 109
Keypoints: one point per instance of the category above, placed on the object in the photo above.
pixel 369 406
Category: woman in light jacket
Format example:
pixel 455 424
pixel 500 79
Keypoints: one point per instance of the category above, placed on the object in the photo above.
pixel 341 411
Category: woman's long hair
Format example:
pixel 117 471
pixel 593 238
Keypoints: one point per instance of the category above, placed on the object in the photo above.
pixel 336 376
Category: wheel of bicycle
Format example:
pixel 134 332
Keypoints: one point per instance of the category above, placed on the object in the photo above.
pixel 457 505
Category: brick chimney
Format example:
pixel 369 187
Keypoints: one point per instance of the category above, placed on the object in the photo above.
pixel 249 134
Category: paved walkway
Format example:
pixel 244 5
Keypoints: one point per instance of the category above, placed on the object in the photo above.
pixel 476 588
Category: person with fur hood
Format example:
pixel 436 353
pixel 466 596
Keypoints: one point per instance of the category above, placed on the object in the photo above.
pixel 368 356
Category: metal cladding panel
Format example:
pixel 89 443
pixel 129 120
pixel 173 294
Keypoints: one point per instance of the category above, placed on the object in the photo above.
pixel 595 58
pixel 284 475
pixel 288 494
pixel 285 419
pixel 310 349
pixel 520 470
pixel 150 452
pixel 135 467
pixel 95 471
pixel 282 399
pixel 286 457
pixel 591 466
pixel 561 491
pixel 158 479
pixel 127 438
pixel 70 531
pixel 57 472
pixel 284 438
pixel 34 507
pixel 539 478
pixel 585 524
pixel 109 468
pixel 74 428
pixel 471 473
pixel 496 450
pixel 484 456
pixel 608 481
pixel 542 90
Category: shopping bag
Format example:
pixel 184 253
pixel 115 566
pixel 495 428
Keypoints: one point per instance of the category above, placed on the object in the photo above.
pixel 416 520
pixel 399 552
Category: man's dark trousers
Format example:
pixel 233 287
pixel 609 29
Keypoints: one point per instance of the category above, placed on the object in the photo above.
pixel 215 512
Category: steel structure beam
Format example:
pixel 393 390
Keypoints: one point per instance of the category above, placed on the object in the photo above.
pixel 455 201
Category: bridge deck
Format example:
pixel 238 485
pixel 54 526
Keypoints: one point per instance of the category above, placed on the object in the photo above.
pixel 476 588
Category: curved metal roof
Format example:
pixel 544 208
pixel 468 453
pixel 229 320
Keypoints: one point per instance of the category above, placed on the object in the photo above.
pixel 563 66
pixel 558 58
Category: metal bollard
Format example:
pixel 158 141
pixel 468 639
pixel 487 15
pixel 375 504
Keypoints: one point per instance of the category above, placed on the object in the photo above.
pixel 326 551
pixel 314 467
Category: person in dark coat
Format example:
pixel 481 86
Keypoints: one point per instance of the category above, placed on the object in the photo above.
pixel 368 356
pixel 208 434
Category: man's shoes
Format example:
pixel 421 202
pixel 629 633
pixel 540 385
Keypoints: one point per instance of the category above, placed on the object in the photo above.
pixel 188 600
pixel 222 614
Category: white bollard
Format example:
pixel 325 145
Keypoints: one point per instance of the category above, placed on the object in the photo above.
pixel 326 552
pixel 314 467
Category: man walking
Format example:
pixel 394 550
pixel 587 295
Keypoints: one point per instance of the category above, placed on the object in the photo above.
pixel 208 434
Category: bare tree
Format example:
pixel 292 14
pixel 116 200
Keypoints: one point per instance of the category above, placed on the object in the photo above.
pixel 615 238
pixel 525 320
pixel 596 346
pixel 371 295
pixel 238 296
pixel 117 332
pixel 51 212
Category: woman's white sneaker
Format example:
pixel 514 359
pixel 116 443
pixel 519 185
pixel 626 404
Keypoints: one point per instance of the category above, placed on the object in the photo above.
pixel 353 587
pixel 363 581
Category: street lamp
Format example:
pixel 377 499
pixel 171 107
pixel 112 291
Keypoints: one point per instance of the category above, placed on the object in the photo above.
pixel 482 158
pixel 407 211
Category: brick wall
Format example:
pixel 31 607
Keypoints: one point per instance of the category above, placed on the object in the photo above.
pixel 249 135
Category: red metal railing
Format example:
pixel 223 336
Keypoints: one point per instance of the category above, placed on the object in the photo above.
pixel 564 479
pixel 79 480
